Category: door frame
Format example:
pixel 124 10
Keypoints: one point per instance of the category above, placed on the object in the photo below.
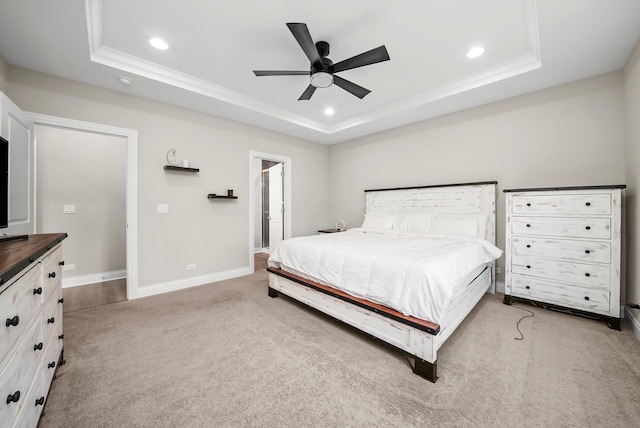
pixel 256 172
pixel 131 137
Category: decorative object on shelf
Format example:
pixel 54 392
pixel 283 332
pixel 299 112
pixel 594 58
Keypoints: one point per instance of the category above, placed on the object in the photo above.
pixel 171 158
pixel 229 195
pixel 340 224
pixel 185 163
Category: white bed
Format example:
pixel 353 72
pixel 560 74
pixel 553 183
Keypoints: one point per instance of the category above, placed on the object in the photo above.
pixel 422 259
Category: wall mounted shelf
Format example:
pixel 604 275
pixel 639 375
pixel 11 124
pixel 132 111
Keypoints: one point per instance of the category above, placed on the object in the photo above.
pixel 180 168
pixel 214 196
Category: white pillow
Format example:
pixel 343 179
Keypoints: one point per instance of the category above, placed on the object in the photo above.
pixel 377 221
pixel 455 224
pixel 420 223
pixel 401 222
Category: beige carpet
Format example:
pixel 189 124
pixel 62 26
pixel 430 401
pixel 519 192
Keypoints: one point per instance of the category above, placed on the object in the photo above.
pixel 227 355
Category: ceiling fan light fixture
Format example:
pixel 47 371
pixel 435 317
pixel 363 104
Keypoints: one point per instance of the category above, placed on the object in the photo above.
pixel 321 79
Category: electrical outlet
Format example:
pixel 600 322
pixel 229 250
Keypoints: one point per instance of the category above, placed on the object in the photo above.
pixel 498 270
pixel 191 266
pixel 68 267
pixel 162 208
pixel 68 209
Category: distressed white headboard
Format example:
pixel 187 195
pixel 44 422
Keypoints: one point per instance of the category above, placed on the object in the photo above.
pixel 463 198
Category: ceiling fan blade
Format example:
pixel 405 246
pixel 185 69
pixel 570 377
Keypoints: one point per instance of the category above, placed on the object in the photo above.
pixel 378 54
pixel 306 95
pixel 280 73
pixel 356 90
pixel 302 35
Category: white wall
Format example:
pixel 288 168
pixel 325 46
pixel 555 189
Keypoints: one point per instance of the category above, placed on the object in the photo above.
pixel 569 135
pixel 214 235
pixel 632 156
pixel 89 171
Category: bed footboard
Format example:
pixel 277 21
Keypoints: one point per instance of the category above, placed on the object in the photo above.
pixel 408 338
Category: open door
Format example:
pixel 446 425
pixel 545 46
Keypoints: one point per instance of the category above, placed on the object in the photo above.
pixel 276 206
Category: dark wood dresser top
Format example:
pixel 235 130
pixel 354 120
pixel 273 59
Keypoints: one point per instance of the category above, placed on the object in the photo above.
pixel 19 254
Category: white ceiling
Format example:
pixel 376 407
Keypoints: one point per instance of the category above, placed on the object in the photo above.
pixel 215 45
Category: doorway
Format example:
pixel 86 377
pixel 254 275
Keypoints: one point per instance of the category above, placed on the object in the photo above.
pixel 270 201
pixel 130 139
pixel 272 204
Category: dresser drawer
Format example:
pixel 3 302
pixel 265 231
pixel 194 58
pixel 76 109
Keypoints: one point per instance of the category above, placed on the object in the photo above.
pixel 18 306
pixel 566 204
pixel 562 249
pixel 590 228
pixel 561 294
pixel 18 374
pixel 32 406
pixel 50 362
pixel 52 272
pixel 52 318
pixel 585 275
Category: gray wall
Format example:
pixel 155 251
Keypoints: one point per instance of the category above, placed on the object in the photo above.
pixel 564 136
pixel 632 156
pixel 3 73
pixel 214 235
pixel 89 171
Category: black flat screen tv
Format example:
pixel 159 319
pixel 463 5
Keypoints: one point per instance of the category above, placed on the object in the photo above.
pixel 4 183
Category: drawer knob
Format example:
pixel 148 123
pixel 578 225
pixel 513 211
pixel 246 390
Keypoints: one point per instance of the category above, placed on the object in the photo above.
pixel 37 347
pixel 528 266
pixel 51 365
pixel 51 320
pixel 13 398
pixel 52 275
pixel 586 297
pixel 61 263
pixel 37 290
pixel 588 227
pixel 587 274
pixel 528 204
pixel 61 337
pixel 40 401
pixel 528 225
pixel 587 251
pixel 528 246
pixel 13 321
pixel 61 300
pixel 588 204
pixel 527 287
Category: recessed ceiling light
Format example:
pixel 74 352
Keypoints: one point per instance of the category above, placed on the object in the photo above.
pixel 329 111
pixel 475 52
pixel 159 44
pixel 125 80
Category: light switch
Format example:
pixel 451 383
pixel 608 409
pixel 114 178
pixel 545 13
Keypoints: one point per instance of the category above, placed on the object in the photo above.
pixel 69 209
pixel 163 208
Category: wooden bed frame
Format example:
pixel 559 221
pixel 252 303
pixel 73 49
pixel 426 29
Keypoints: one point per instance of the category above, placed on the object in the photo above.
pixel 416 337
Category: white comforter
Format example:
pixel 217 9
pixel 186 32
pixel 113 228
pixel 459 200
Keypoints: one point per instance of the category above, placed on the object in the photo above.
pixel 411 273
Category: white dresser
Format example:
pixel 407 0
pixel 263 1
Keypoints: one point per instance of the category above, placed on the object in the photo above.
pixel 31 325
pixel 563 248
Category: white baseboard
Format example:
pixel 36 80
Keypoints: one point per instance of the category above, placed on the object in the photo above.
pixel 166 287
pixel 499 287
pixel 92 278
pixel 632 321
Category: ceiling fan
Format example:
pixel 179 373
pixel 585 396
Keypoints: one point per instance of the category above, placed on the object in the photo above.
pixel 322 68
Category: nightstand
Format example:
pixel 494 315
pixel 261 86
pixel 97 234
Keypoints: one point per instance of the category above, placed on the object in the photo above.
pixel 331 230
